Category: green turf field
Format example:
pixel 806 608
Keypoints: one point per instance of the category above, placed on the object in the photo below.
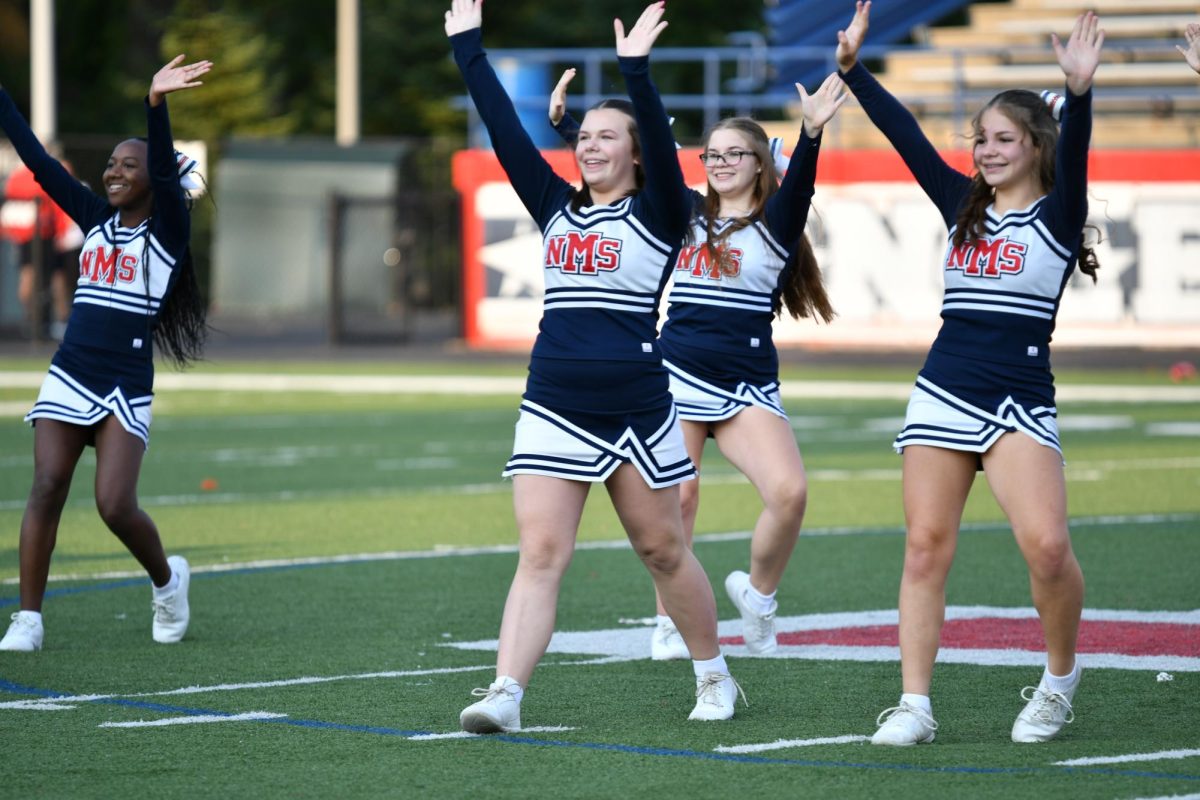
pixel 352 551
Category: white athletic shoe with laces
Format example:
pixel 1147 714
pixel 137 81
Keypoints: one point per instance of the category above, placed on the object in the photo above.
pixel 716 695
pixel 24 634
pixel 904 725
pixel 498 712
pixel 666 644
pixel 758 630
pixel 171 613
pixel 1043 716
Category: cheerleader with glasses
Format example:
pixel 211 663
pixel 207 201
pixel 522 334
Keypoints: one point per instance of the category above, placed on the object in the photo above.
pixel 136 286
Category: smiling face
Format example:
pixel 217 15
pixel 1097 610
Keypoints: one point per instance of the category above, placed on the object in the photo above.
pixel 607 154
pixel 1005 154
pixel 126 178
pixel 726 179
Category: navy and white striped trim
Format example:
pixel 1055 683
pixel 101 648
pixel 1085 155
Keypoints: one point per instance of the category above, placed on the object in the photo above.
pixel 89 408
pixel 1010 417
pixel 115 298
pixel 999 302
pixel 596 297
pixel 590 217
pixel 724 297
pixel 724 404
pixel 627 449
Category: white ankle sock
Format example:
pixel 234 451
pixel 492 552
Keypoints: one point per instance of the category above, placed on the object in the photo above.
pixel 702 668
pixel 1063 684
pixel 172 585
pixel 662 619
pixel 762 603
pixel 920 701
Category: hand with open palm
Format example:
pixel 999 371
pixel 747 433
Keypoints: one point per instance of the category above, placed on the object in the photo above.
pixel 1080 56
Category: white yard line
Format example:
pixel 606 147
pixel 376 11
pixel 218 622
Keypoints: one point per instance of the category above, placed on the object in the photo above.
pixel 783 744
pixel 1161 755
pixel 197 720
pixel 514 385
pixel 433 737
pixel 616 544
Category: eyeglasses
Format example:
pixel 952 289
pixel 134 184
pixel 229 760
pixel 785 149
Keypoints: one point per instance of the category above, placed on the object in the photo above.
pixel 732 158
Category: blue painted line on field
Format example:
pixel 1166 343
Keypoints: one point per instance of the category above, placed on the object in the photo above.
pixel 659 752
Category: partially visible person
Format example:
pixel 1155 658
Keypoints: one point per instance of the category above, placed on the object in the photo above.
pixel 137 287
pixel 745 258
pixel 27 215
pixel 1192 52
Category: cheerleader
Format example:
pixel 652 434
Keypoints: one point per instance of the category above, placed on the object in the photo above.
pixel 596 408
pixel 136 286
pixel 984 399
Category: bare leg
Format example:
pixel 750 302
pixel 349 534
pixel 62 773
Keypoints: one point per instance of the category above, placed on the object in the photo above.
pixel 56 450
pixel 762 446
pixel 654 524
pixel 936 484
pixel 548 512
pixel 695 434
pixel 1027 480
pixel 118 463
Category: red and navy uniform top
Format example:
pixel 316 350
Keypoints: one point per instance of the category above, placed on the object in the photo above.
pixel 605 266
pixel 1002 292
pixel 124 273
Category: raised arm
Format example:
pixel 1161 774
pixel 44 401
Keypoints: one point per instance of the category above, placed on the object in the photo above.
pixel 1080 56
pixel 1192 52
pixel 541 191
pixel 81 204
pixel 944 185
pixel 566 126
pixel 665 192
pixel 170 204
pixel 787 210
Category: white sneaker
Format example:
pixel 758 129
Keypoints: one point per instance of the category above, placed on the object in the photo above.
pixel 24 634
pixel 1043 716
pixel 758 630
pixel 498 712
pixel 716 695
pixel 904 725
pixel 171 613
pixel 666 644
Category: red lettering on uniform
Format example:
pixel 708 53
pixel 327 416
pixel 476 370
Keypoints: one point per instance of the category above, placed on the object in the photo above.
pixel 583 254
pixel 990 258
pixel 104 265
pixel 85 264
pixel 698 260
pixel 127 270
pixel 1012 257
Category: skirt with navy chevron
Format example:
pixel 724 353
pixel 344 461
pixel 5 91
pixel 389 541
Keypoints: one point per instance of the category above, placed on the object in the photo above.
pixel 549 444
pixel 81 391
pixel 700 400
pixel 937 418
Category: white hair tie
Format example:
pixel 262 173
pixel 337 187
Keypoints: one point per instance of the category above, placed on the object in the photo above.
pixel 187 171
pixel 1054 102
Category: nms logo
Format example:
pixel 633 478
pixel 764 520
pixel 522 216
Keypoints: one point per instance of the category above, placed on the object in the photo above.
pixel 105 266
pixel 698 260
pixel 577 253
pixel 988 259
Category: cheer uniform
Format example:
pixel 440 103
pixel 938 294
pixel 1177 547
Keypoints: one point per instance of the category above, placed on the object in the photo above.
pixel 988 371
pixel 105 363
pixel 597 394
pixel 716 342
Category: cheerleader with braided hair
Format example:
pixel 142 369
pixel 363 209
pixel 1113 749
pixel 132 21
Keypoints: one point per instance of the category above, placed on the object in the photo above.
pixel 985 398
pixel 136 286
